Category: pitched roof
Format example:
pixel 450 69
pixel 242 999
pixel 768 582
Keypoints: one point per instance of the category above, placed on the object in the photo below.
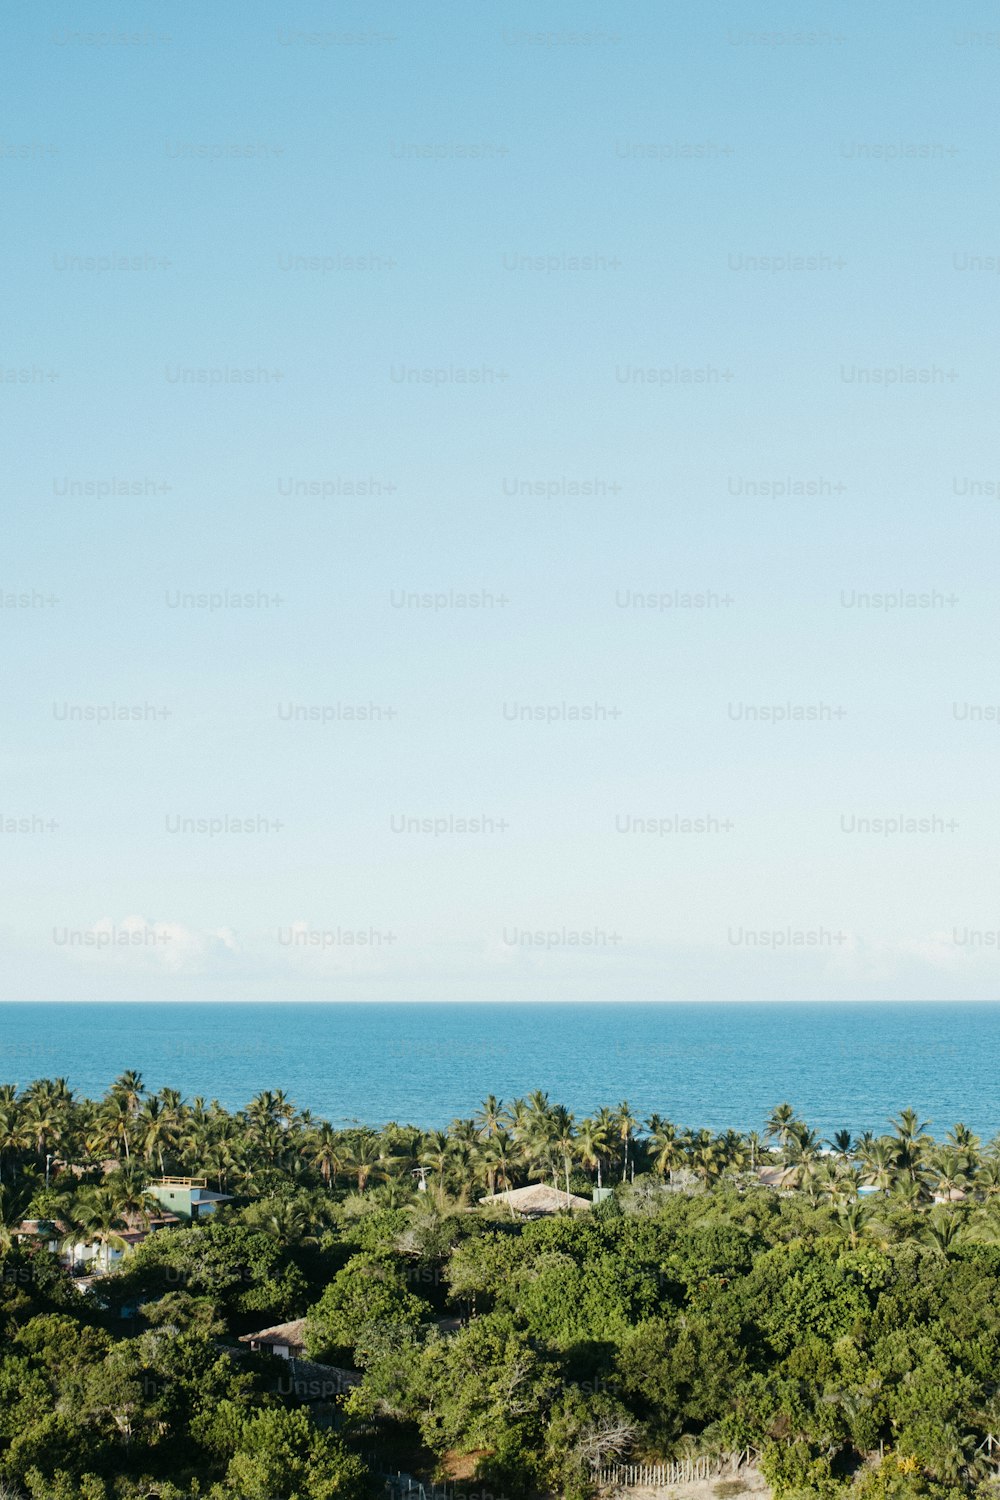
pixel 292 1334
pixel 537 1198
pixel 771 1176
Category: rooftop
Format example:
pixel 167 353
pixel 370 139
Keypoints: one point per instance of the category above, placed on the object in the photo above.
pixel 292 1334
pixel 538 1198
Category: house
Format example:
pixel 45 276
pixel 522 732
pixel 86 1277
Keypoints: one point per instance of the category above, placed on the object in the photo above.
pixel 57 1237
pixel 286 1340
pixel 307 1380
pixel 187 1197
pixel 537 1200
pixel 771 1176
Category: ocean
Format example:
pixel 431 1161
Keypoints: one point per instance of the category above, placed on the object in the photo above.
pixel 712 1065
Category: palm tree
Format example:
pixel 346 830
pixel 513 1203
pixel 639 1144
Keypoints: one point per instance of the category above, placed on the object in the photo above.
pixel 128 1087
pixel 835 1181
pixel 912 1142
pixel 948 1168
pixel 666 1148
pixel 707 1160
pixel 802 1152
pixel 498 1156
pixel 988 1178
pixel 942 1231
pixel 130 1186
pixel 366 1160
pixel 14 1201
pixel 490 1117
pixel 539 1145
pixel 287 1220
pixel 326 1152
pixel 117 1122
pixel 96 1217
pixel 853 1220
pixel 435 1154
pixel 778 1122
pixel 517 1116
pixel 625 1124
pixel 14 1136
pixel 40 1120
pixel 591 1146
pixel 967 1144
pixel 563 1138
pixel 734 1149
pixel 909 1192
pixel 878 1164
pixel 841 1143
pixel 154 1129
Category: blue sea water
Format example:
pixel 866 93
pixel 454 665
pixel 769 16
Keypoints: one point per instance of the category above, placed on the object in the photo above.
pixel 713 1065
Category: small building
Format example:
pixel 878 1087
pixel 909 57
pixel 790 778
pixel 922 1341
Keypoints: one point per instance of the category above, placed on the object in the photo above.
pixel 47 1232
pixel 187 1197
pixel 286 1340
pixel 952 1195
pixel 306 1379
pixel 772 1177
pixel 537 1200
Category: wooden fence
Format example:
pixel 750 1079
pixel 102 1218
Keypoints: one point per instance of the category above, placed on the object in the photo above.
pixel 654 1476
pixel 405 1487
pixel 621 1476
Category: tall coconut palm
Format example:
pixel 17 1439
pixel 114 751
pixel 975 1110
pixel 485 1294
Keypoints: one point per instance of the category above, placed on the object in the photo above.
pixel 128 1086
pixel 96 1218
pixel 490 1117
pixel 130 1186
pixel 802 1154
pixel 499 1156
pixel 593 1144
pixel 154 1129
pixel 326 1152
pixel 42 1119
pixel 665 1147
pixel 755 1146
pixel 14 1201
pixel 14 1135
pixel 117 1121
pixel 539 1145
pixel 878 1167
pixel 537 1123
pixel 625 1125
pixel 435 1154
pixel 834 1181
pixel 361 1157
pixel 912 1143
pixel 564 1138
pixel 778 1122
pixel 967 1143
pixel 842 1145
pixel 706 1157
pixel 987 1179
pixel 948 1170
pixel 517 1117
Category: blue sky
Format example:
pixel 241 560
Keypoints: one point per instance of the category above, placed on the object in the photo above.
pixel 540 299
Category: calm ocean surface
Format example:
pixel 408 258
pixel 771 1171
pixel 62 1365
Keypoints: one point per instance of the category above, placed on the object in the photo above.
pixel 714 1065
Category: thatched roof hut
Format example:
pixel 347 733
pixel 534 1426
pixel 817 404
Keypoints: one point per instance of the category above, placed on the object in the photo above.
pixel 538 1199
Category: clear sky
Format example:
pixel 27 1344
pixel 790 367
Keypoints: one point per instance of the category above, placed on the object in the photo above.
pixel 585 310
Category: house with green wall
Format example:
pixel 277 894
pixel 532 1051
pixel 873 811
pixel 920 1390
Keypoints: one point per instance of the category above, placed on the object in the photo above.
pixel 187 1197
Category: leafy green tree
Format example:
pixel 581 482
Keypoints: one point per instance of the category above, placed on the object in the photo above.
pixel 370 1290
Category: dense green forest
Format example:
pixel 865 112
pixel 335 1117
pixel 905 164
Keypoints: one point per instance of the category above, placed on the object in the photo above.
pixel 841 1342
